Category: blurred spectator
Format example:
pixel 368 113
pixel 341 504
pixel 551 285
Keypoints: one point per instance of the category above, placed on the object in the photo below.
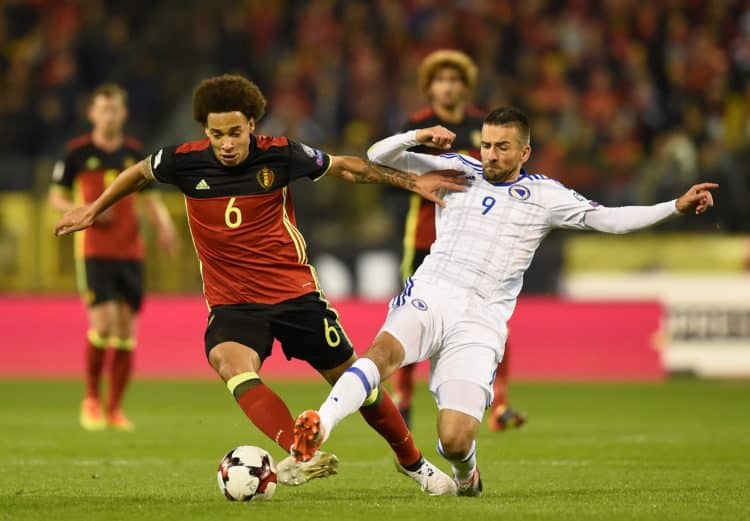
pixel 630 101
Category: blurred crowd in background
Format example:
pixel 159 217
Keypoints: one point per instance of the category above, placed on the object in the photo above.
pixel 630 101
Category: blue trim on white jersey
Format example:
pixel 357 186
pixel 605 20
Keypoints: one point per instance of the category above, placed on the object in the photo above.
pixel 400 300
pixel 471 163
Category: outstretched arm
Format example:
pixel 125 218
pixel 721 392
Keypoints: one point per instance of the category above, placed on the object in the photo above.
pixel 392 151
pixel 129 181
pixel 631 218
pixel 357 170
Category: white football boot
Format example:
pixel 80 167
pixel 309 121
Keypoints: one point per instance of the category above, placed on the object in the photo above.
pixel 292 472
pixel 431 479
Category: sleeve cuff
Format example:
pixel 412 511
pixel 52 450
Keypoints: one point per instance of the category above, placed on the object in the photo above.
pixel 410 138
pixel 330 162
pixel 149 171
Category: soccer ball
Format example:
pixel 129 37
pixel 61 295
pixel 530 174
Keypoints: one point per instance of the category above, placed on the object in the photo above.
pixel 247 473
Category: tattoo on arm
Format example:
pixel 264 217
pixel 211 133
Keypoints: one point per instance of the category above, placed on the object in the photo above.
pixel 374 173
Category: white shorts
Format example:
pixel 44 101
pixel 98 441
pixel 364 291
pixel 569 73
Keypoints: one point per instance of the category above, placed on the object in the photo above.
pixel 453 329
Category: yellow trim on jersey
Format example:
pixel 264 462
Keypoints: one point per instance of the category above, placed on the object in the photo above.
pixel 79 238
pixel 321 176
pixel 241 378
pixel 81 282
pixel 200 263
pixel 410 237
pixel 322 297
pixel 294 233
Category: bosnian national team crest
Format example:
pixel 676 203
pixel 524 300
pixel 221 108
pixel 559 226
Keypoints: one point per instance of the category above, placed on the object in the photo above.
pixel 519 192
pixel 265 177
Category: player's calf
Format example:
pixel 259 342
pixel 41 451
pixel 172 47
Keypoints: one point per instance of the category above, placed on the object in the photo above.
pixel 457 429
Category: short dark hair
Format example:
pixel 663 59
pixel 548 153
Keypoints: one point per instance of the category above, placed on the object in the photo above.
pixel 510 117
pixel 228 93
pixel 109 90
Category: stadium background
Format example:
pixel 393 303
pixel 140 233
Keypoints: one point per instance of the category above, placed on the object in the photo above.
pixel 631 102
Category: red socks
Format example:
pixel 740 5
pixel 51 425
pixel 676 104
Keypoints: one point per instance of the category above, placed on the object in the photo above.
pixel 500 386
pixel 383 416
pixel 119 377
pixel 94 368
pixel 269 413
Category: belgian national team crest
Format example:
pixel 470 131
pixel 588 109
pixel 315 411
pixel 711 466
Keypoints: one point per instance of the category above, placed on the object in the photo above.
pixel 265 178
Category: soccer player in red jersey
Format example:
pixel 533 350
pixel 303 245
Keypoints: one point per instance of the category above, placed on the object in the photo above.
pixel 447 77
pixel 257 280
pixel 109 255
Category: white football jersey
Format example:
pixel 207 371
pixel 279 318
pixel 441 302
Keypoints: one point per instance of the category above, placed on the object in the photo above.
pixel 487 235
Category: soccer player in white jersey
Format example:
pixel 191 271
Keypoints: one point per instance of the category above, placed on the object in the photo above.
pixel 448 311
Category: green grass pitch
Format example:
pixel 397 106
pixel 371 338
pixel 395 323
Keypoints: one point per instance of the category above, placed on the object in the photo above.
pixel 679 450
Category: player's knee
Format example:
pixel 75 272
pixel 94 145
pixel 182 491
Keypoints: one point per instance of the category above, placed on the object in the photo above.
pixel 98 338
pixel 386 353
pixel 231 359
pixel 223 365
pixel 456 442
pixel 124 329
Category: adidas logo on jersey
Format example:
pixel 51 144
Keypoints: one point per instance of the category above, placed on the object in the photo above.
pixel 202 185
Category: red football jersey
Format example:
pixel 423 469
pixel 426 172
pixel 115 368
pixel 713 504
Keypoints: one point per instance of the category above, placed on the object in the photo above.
pixel 87 170
pixel 242 218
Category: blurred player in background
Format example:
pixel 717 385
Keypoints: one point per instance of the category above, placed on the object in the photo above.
pixel 454 310
pixel 257 280
pixel 447 78
pixel 109 256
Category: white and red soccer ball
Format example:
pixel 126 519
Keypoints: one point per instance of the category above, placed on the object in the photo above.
pixel 246 473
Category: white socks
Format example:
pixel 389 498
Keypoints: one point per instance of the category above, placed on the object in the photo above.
pixel 463 469
pixel 348 394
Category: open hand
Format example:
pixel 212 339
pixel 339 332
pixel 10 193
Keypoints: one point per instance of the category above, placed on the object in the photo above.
pixel 436 137
pixel 74 220
pixel 698 199
pixel 429 184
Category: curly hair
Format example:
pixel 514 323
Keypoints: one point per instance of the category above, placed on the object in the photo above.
pixel 228 93
pixel 447 58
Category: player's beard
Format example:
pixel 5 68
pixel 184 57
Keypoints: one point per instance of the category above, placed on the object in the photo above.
pixel 498 175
